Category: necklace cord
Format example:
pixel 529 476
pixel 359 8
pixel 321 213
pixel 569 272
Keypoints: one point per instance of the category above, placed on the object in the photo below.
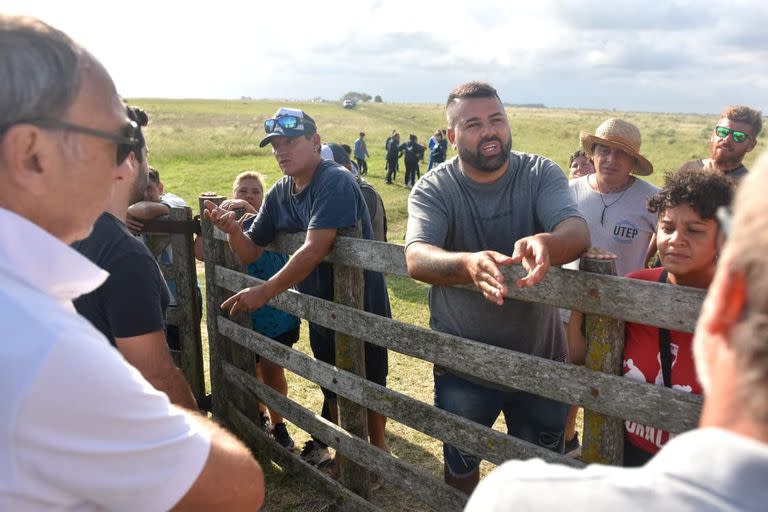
pixel 606 206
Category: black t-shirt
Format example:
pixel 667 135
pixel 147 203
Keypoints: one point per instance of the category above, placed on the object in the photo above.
pixel 413 152
pixel 393 150
pixel 738 173
pixel 133 300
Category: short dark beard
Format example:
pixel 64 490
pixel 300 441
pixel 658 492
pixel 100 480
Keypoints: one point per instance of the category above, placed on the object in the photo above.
pixel 139 185
pixel 486 164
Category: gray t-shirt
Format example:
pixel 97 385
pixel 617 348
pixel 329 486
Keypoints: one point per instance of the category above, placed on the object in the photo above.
pixel 448 210
pixel 704 470
pixel 736 174
pixel 627 227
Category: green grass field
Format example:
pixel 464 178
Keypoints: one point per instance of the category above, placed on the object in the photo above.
pixel 200 145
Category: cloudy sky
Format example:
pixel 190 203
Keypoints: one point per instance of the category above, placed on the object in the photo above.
pixel 666 56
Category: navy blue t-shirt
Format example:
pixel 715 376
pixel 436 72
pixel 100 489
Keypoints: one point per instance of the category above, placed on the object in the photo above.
pixel 134 298
pixel 331 200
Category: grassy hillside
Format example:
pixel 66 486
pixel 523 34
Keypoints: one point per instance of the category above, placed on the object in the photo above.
pixel 200 145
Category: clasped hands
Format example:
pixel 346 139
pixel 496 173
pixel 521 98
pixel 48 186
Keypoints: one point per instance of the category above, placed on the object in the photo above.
pixel 483 267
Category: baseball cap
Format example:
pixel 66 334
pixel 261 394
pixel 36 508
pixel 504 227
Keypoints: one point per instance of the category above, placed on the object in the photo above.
pixel 288 122
pixel 335 153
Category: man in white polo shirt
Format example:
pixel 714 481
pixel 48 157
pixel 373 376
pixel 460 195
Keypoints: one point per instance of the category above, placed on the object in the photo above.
pixel 79 428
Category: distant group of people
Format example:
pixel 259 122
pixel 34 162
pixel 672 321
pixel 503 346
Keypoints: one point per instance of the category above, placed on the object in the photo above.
pixel 99 417
pixel 413 152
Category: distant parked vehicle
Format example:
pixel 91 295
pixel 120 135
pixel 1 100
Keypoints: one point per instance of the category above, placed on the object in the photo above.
pixel 348 104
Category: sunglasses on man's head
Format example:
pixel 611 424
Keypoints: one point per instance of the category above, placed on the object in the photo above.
pixel 723 132
pixel 126 141
pixel 287 122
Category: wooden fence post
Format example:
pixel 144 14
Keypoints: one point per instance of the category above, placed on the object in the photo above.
pixel 188 315
pixel 603 435
pixel 348 289
pixel 214 296
pixel 239 356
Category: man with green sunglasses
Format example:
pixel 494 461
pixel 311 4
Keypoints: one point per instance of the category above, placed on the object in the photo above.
pixel 734 135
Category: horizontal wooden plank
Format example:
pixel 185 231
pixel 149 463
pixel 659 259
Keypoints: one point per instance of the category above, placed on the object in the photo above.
pixel 263 444
pixel 607 394
pixel 427 488
pixel 673 307
pixel 487 443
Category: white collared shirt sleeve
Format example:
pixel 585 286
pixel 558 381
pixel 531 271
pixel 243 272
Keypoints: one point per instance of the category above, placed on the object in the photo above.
pixel 97 434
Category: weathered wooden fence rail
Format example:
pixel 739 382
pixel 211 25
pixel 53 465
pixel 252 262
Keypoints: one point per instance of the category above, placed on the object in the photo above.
pixel 607 395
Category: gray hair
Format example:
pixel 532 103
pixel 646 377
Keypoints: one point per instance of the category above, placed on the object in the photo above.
pixel 747 246
pixel 40 69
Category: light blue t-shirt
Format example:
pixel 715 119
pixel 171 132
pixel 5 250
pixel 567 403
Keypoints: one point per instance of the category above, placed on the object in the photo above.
pixel 267 320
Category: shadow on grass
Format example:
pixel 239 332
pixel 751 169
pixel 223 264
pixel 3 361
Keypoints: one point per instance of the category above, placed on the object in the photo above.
pixel 291 492
pixel 415 453
pixel 408 290
pixel 391 497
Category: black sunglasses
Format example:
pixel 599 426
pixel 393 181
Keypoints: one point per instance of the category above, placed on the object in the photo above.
pixel 723 132
pixel 127 140
pixel 287 122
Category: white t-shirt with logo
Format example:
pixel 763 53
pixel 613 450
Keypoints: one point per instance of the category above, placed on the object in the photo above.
pixel 627 226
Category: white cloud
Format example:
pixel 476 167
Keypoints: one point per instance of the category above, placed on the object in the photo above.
pixel 672 56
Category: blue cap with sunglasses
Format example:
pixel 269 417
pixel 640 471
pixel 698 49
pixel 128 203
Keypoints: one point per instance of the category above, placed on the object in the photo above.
pixel 288 122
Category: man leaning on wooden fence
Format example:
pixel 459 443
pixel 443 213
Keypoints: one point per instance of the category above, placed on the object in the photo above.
pixel 80 429
pixel 488 208
pixel 320 197
pixel 723 464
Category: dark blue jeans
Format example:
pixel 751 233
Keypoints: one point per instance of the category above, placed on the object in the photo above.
pixel 529 417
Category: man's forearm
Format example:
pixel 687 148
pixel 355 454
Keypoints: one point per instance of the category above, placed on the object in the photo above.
pixel 567 241
pixel 149 354
pixel 301 264
pixel 175 385
pixel 243 247
pixel 434 265
pixel 231 478
pixel 146 210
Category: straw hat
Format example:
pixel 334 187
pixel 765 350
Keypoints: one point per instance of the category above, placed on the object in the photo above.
pixel 619 134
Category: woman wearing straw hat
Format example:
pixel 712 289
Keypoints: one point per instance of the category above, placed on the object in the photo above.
pixel 613 202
